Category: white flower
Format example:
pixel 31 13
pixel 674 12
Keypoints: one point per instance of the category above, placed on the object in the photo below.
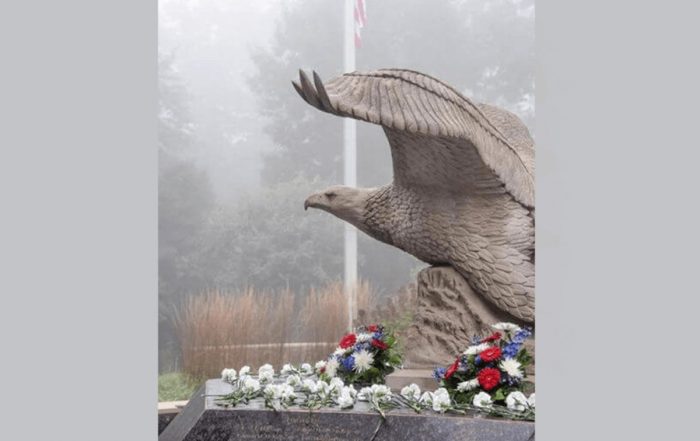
pixel 306 369
pixel 319 365
pixel 466 386
pixel 505 326
pixel 351 390
pixel 266 373
pixel 339 351
pixel 482 399
pixel 286 392
pixel 271 392
pixel 245 371
pixel 512 367
pixel 363 361
pixel 251 385
pixel 441 400
pixel 516 401
pixel 411 392
pixel 346 399
pixel 363 337
pixel 336 385
pixel 229 375
pixel 531 400
pixel 309 386
pixel 287 369
pixel 476 349
pixel 294 380
pixel 331 367
pixel 381 393
pixel 427 398
pixel 322 387
pixel 364 394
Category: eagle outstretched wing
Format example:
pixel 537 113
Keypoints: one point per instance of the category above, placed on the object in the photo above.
pixel 457 136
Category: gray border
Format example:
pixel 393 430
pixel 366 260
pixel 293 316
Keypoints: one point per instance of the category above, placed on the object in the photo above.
pixel 617 219
pixel 78 179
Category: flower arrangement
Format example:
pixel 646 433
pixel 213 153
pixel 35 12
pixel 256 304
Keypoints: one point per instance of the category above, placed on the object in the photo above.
pixel 302 387
pixel 366 356
pixel 491 372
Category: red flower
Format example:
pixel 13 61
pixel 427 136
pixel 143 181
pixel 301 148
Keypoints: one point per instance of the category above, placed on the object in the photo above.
pixel 490 354
pixel 348 341
pixel 372 328
pixel 379 344
pixel 452 369
pixel 489 378
pixel 493 337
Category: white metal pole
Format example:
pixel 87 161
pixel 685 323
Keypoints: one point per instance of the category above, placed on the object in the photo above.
pixel 350 167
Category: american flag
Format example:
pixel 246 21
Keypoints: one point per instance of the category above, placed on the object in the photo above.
pixel 360 20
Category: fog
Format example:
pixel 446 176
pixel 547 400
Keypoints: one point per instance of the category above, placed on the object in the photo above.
pixel 240 150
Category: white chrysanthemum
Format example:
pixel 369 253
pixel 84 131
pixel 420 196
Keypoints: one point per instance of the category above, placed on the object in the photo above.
pixel 482 399
pixel 323 388
pixel 229 375
pixel 266 373
pixel 363 361
pixel 331 367
pixel 286 392
pixel 346 399
pixel 319 365
pixel 251 385
pixel 287 369
pixel 381 393
pixel 516 401
pixel 505 326
pixel 531 400
pixel 441 400
pixel 364 394
pixel 466 386
pixel 411 392
pixel 476 349
pixel 512 367
pixel 271 392
pixel 339 351
pixel 306 369
pixel 351 390
pixel 309 386
pixel 363 337
pixel 427 398
pixel 294 380
pixel 245 371
pixel 336 385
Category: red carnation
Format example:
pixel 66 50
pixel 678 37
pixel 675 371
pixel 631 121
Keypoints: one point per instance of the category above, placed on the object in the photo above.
pixel 372 328
pixel 379 344
pixel 493 337
pixel 490 354
pixel 348 341
pixel 452 369
pixel 489 378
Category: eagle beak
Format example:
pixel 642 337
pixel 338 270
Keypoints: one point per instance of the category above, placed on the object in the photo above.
pixel 306 205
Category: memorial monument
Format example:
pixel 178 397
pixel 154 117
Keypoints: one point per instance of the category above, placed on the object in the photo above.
pixel 462 199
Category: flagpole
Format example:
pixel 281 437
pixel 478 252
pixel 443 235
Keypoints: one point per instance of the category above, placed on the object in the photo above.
pixel 350 166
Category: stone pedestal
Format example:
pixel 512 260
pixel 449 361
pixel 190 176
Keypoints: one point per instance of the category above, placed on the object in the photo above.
pixel 203 420
pixel 448 314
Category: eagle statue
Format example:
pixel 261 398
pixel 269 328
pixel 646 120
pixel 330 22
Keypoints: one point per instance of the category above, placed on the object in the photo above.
pixel 463 192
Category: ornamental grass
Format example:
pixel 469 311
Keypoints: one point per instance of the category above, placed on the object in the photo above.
pixel 220 328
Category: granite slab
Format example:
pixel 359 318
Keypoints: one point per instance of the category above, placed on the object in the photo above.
pixel 202 419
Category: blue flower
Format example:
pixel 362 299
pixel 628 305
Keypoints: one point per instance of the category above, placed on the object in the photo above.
pixel 477 359
pixel 439 373
pixel 348 363
pixel 510 350
pixel 364 345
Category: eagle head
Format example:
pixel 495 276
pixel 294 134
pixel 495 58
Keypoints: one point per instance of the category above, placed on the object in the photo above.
pixel 346 203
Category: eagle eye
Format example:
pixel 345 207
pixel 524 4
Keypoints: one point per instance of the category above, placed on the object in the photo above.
pixel 330 194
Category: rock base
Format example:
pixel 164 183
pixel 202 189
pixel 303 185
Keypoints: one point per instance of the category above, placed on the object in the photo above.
pixel 448 314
